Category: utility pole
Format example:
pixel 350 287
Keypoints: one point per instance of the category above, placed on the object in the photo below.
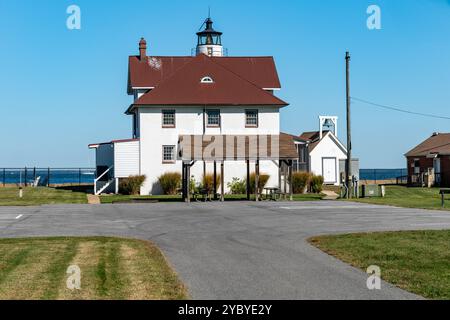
pixel 348 163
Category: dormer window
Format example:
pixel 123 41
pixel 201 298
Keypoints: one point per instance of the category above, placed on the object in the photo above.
pixel 207 79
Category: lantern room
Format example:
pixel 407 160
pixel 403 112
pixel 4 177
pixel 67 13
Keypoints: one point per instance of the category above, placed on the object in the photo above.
pixel 209 40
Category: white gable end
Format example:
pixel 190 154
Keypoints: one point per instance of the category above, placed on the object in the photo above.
pixel 324 158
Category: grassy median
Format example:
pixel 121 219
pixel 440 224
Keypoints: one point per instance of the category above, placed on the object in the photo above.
pixel 9 196
pixel 399 196
pixel 417 261
pixel 111 268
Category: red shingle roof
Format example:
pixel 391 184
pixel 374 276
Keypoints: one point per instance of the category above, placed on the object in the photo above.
pixel 436 144
pixel 150 72
pixel 184 87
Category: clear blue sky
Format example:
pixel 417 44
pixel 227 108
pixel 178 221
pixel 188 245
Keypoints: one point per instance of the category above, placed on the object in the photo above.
pixel 61 90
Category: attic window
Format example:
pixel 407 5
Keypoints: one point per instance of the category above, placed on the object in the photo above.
pixel 207 80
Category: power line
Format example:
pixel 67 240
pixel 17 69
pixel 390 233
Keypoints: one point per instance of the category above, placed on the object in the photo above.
pixel 400 109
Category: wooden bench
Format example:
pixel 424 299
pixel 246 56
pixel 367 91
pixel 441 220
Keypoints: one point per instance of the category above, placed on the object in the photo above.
pixel 443 192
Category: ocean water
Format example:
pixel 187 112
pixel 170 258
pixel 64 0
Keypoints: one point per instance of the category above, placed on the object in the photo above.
pixel 57 176
pixel 381 174
pixel 83 176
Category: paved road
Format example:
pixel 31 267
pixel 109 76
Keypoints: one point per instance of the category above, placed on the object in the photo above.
pixel 237 250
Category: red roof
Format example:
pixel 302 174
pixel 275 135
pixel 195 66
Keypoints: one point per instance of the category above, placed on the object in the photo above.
pixel 184 87
pixel 150 72
pixel 438 143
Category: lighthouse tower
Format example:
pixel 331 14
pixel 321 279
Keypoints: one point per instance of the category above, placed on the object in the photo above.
pixel 210 40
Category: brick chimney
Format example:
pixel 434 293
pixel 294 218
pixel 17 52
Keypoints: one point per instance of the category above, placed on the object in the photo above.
pixel 142 49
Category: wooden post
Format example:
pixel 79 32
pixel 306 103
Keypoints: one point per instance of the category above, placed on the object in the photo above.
pixel 48 177
pixel 291 189
pixel 248 180
pixel 4 176
pixel 285 180
pixel 222 187
pixel 215 180
pixel 25 177
pixel 279 175
pixel 188 184
pixel 348 163
pixel 257 180
pixel 183 182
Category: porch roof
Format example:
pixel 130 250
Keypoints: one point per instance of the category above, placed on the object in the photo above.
pixel 236 147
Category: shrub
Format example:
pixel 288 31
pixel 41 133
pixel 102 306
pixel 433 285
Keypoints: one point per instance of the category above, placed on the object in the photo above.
pixel 263 178
pixel 131 185
pixel 316 184
pixel 300 182
pixel 208 182
pixel 237 186
pixel 170 182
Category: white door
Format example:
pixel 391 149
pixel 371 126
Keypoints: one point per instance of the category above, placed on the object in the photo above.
pixel 329 170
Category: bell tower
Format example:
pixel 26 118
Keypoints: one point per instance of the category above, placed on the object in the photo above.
pixel 209 40
pixel 328 123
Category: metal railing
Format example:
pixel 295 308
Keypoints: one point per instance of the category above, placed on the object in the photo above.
pixel 105 174
pixel 47 176
pixel 383 175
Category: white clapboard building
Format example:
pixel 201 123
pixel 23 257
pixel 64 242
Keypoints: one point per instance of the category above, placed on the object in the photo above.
pixel 206 94
pixel 321 153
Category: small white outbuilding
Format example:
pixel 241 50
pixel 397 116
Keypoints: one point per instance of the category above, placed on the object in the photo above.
pixel 321 152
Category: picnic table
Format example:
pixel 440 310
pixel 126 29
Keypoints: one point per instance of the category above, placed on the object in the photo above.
pixel 271 193
pixel 443 192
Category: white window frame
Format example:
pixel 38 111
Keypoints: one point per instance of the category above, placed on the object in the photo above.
pixel 163 118
pixel 207 79
pixel 251 125
pixel 165 152
pixel 213 125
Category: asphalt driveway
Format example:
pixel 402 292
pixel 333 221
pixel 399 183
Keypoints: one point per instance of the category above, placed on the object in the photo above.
pixel 237 250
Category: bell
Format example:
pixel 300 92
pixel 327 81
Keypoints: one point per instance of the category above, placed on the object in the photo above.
pixel 328 123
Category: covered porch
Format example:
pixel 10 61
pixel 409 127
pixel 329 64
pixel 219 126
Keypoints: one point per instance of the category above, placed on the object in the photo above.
pixel 249 149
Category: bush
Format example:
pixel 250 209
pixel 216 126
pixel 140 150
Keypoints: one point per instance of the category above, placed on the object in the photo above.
pixel 237 186
pixel 170 182
pixel 131 185
pixel 263 178
pixel 316 184
pixel 300 182
pixel 208 182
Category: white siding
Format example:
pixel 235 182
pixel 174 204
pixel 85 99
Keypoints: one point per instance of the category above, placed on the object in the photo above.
pixel 327 148
pixel 126 159
pixel 189 120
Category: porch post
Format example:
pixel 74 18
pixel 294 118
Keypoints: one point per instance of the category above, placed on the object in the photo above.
pixel 183 182
pixel 257 180
pixel 248 180
pixel 285 180
pixel 187 179
pixel 215 180
pixel 279 174
pixel 291 189
pixel 222 187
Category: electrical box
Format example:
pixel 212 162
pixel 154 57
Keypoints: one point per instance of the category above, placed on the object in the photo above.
pixel 371 190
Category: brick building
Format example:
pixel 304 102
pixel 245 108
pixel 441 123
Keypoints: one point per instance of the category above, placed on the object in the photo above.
pixel 431 158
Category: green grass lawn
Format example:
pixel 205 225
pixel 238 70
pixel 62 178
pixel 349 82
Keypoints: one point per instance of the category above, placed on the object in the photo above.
pixel 177 198
pixel 417 261
pixel 9 196
pixel 410 198
pixel 111 268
